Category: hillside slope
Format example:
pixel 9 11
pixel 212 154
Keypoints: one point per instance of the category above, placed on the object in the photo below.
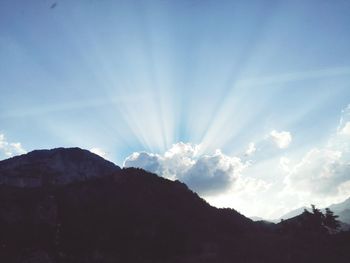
pixel 129 215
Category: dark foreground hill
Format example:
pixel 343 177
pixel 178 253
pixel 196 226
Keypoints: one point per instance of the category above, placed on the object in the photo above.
pixel 101 213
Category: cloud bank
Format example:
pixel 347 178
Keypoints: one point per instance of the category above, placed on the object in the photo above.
pixel 268 178
pixel 207 174
pixel 324 172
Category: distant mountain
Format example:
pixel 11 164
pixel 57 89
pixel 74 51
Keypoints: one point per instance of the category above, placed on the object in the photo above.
pixel 341 209
pixel 341 206
pixel 83 208
pixel 293 213
pixel 344 216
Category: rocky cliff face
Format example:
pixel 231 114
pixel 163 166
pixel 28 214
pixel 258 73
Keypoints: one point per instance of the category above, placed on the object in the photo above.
pixel 57 166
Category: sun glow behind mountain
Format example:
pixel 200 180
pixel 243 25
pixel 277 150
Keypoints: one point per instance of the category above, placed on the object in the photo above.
pixel 245 92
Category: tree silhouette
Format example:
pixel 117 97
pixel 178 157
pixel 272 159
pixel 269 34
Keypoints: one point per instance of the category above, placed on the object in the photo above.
pixel 317 218
pixel 330 220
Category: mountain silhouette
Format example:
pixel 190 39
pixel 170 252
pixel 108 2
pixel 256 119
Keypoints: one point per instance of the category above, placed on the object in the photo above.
pixel 56 166
pixel 83 208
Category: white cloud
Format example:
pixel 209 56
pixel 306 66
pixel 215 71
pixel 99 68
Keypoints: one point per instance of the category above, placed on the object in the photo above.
pixel 344 189
pixel 346 129
pixel 319 172
pixel 245 196
pixel 322 176
pixel 251 149
pixel 261 185
pixel 284 163
pixel 213 173
pixel 251 186
pixel 9 149
pixel 205 174
pixel 99 152
pixel 344 123
pixel 148 161
pixel 281 139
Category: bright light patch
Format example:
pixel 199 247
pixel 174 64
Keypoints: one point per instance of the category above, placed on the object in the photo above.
pixel 281 139
pixel 284 163
pixel 9 149
pixel 251 149
pixel 346 129
pixel 99 152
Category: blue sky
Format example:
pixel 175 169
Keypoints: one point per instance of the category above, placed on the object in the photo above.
pixel 129 76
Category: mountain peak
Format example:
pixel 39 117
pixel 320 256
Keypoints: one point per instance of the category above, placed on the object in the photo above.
pixel 55 166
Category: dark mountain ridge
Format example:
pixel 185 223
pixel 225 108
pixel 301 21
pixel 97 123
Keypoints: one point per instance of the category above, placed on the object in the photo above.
pixel 101 213
pixel 56 166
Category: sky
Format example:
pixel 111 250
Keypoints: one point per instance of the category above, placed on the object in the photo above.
pixel 247 102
